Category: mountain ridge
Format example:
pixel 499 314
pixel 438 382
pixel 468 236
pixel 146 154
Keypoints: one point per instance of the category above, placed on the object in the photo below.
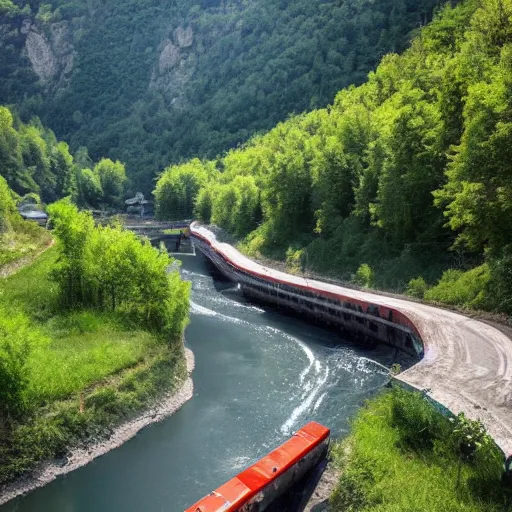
pixel 150 83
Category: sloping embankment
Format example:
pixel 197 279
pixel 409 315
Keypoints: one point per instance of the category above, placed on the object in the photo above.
pixel 49 471
pixel 465 364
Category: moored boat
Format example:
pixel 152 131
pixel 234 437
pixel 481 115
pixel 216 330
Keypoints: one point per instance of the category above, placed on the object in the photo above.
pixel 254 489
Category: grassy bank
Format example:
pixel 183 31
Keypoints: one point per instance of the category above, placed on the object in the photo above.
pixel 403 455
pixel 24 239
pixel 86 370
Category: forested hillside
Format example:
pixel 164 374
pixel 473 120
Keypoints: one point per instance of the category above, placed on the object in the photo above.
pixel 404 177
pixel 34 162
pixel 151 82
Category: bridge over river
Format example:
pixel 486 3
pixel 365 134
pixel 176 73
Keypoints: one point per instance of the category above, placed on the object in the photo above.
pixel 466 364
pixel 259 376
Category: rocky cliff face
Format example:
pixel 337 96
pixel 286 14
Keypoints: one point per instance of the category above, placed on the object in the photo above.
pixel 176 62
pixel 50 51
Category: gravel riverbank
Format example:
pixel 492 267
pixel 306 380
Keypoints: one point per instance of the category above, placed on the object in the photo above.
pixel 49 471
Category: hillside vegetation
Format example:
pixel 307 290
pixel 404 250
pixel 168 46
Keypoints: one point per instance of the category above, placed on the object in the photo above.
pixel 404 455
pixel 408 175
pixel 90 334
pixel 35 164
pixel 17 237
pixel 151 82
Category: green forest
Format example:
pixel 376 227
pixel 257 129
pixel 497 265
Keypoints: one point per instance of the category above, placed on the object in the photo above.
pixel 403 183
pixel 151 82
pixel 39 168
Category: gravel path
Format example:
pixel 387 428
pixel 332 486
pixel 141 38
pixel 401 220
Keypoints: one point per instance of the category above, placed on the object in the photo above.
pixel 467 364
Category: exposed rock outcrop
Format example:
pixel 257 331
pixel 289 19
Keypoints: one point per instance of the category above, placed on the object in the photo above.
pixel 176 62
pixel 169 56
pixel 50 52
pixel 184 37
pixel 41 56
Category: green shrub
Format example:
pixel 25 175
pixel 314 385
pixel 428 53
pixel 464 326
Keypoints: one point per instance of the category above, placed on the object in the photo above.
pixel 17 340
pixel 296 260
pixel 110 268
pixel 30 199
pixel 461 288
pixel 364 276
pixel 417 288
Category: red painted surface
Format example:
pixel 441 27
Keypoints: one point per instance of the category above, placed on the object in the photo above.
pixel 238 491
pixel 398 317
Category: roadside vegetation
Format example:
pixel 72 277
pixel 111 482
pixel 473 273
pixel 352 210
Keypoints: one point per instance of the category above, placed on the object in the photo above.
pixel 17 237
pixel 403 184
pixel 402 455
pixel 90 334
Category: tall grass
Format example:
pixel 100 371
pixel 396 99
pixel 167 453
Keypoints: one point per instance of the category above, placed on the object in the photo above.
pixel 62 424
pixel 401 457
pixel 82 347
pixel 23 239
pixel 85 371
pixel 80 355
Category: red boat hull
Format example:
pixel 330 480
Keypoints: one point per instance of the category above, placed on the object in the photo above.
pixel 257 487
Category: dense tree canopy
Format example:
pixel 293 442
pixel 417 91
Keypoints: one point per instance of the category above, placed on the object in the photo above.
pixel 108 267
pixel 7 206
pixel 409 173
pixel 150 83
pixel 33 161
pixel 178 186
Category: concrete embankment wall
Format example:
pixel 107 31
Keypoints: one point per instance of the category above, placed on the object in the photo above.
pixel 463 365
pixel 322 301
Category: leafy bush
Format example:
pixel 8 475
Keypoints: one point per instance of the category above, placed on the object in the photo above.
pixel 109 268
pixel 364 276
pixel 462 288
pixel 417 288
pixel 17 340
pixel 296 260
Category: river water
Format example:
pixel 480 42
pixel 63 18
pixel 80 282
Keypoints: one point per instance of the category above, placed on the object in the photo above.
pixel 259 376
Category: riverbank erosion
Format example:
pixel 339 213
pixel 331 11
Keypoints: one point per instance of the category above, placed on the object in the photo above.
pixel 162 408
pixel 464 365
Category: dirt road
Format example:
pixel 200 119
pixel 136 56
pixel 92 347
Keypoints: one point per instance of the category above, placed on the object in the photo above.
pixel 467 364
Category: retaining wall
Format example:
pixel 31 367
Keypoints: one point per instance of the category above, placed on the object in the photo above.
pixel 370 322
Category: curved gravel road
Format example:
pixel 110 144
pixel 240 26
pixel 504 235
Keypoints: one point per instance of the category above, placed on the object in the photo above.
pixel 467 364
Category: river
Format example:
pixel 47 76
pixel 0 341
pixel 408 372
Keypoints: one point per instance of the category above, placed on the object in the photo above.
pixel 259 376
